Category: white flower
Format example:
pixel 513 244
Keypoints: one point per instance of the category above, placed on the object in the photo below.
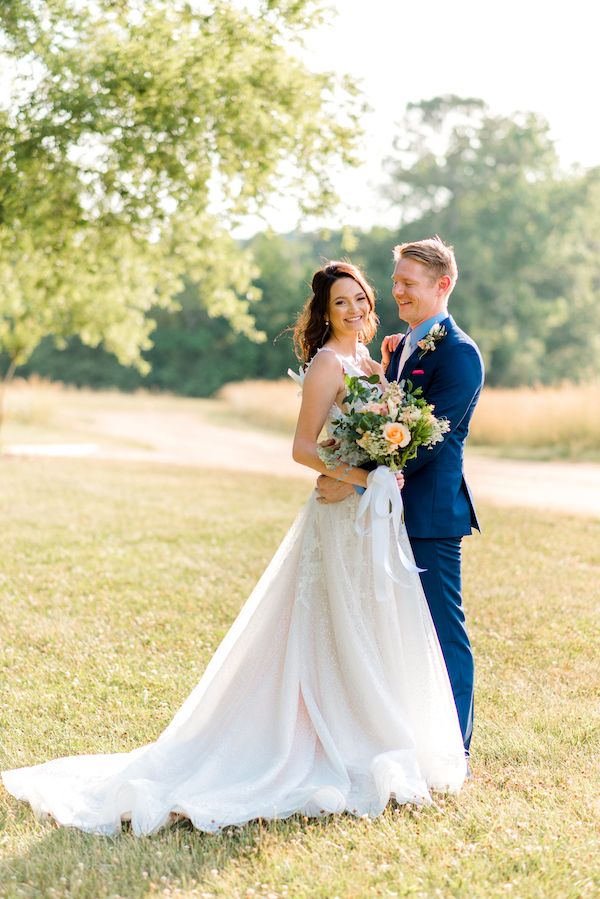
pixel 411 414
pixel 436 333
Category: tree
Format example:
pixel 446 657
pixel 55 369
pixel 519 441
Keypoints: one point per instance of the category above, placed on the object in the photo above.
pixel 492 186
pixel 138 134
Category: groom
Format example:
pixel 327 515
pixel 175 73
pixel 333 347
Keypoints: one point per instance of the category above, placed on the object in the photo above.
pixel 437 356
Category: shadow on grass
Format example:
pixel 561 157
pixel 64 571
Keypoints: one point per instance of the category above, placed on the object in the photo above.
pixel 61 861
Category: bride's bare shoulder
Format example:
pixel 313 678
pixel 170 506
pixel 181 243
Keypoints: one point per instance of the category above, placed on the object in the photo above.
pixel 325 359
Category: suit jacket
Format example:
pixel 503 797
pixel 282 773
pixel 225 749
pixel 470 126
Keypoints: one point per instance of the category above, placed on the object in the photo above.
pixel 437 499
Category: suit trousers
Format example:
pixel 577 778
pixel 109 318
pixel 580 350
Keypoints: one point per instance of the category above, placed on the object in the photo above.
pixel 442 585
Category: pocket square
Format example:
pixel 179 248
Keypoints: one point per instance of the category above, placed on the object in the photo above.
pixel 418 371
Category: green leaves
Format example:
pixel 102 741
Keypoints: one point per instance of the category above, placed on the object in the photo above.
pixel 357 389
pixel 143 134
pixel 491 186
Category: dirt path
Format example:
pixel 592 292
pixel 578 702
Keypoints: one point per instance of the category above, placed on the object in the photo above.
pixel 181 437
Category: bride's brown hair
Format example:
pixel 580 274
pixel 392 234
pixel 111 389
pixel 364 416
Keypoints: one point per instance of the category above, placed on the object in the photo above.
pixel 312 327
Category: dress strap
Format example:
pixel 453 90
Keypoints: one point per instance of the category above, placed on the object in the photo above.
pixel 327 349
pixel 303 370
pixel 324 349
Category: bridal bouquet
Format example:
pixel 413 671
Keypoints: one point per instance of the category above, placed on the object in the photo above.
pixel 386 427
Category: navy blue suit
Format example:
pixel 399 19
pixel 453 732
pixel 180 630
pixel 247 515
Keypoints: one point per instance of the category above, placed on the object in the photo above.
pixel 438 507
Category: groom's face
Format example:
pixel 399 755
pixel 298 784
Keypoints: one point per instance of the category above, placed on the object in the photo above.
pixel 418 293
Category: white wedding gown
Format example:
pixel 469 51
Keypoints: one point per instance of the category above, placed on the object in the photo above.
pixel 319 700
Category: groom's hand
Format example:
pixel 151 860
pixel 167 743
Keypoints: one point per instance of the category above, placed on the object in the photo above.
pixel 331 491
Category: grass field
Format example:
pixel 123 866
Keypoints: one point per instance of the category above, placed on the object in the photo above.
pixel 118 581
pixel 541 423
pixel 39 411
pixel 544 423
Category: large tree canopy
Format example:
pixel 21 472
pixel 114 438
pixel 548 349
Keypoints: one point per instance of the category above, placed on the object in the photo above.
pixel 135 136
pixel 492 186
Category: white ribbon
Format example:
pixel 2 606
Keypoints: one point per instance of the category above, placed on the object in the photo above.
pixel 383 499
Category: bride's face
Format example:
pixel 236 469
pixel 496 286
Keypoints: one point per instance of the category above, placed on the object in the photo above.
pixel 348 307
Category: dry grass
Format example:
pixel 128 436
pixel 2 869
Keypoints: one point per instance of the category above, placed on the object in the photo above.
pixel 544 423
pixel 47 411
pixel 547 422
pixel 39 412
pixel 268 404
pixel 33 401
pixel 565 418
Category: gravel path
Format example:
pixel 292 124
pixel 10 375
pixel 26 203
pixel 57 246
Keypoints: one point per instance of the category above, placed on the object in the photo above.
pixel 182 438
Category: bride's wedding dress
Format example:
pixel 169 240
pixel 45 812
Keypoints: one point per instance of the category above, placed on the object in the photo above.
pixel 320 699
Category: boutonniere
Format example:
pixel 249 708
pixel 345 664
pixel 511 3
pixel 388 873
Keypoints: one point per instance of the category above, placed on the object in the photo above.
pixel 435 334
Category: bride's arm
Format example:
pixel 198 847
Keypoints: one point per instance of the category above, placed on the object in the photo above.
pixel 322 383
pixel 374 368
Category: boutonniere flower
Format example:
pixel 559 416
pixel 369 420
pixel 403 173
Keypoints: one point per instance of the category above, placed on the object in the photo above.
pixel 436 333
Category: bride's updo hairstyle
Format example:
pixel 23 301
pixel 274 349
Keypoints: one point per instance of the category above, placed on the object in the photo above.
pixel 312 328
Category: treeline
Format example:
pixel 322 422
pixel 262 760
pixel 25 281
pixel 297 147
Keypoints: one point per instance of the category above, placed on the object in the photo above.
pixel 526 236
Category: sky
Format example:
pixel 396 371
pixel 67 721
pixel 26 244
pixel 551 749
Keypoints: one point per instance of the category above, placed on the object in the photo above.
pixel 529 55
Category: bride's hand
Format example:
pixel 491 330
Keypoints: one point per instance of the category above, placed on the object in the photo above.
pixel 375 368
pixel 329 442
pixel 388 346
pixel 399 479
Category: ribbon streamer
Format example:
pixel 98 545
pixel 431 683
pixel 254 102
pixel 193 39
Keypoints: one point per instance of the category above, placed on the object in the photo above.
pixel 383 499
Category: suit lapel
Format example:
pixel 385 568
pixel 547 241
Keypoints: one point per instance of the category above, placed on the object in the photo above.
pixel 447 323
pixel 395 360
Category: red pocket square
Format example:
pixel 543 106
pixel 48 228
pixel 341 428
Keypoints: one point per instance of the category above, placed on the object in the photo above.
pixel 418 371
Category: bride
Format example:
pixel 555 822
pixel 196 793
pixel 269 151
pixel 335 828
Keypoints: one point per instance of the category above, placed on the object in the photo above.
pixel 321 699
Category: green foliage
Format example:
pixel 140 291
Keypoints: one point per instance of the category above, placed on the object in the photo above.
pixel 194 354
pixel 527 256
pixel 137 135
pixel 525 235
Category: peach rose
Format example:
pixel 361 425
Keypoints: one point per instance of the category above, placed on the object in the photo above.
pixel 395 432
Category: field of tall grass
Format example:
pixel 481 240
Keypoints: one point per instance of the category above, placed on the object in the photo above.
pixel 541 422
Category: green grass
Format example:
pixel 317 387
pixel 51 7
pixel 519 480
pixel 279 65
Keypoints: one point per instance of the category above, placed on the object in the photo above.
pixel 117 583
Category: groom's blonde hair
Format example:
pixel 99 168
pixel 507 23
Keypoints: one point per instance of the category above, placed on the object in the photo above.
pixel 432 253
